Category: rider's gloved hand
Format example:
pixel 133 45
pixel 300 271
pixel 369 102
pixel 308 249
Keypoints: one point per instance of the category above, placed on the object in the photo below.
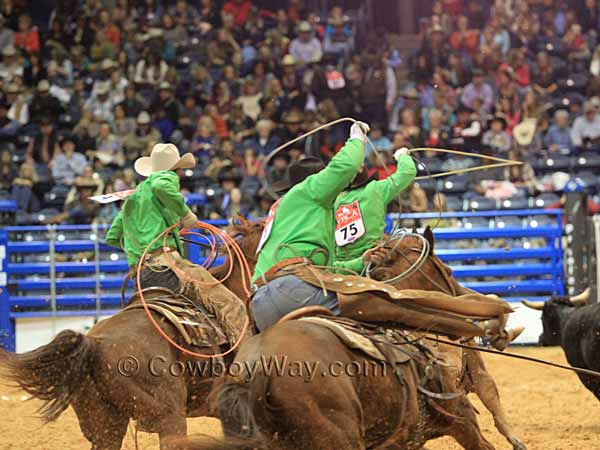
pixel 359 131
pixel 400 152
pixel 190 220
pixel 375 255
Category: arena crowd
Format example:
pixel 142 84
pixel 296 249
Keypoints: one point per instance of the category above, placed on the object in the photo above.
pixel 232 80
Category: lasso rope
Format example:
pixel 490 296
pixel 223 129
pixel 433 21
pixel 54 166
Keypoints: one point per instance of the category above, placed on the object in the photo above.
pixel 232 249
pixel 500 162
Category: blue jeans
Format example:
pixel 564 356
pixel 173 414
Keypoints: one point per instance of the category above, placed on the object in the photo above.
pixel 286 294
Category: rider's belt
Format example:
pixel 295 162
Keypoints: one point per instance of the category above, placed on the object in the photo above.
pixel 277 271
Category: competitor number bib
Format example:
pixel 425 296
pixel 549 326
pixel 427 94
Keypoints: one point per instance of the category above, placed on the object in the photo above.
pixel 349 224
pixel 268 225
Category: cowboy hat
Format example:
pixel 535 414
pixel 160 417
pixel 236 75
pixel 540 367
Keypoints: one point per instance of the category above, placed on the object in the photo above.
pixel 293 117
pixel 163 157
pixel 297 172
pixel 43 86
pixel 363 178
pixel 525 131
pixel 107 64
pixel 304 27
pixel 143 118
pixel 9 51
pixel 499 117
pixel 288 60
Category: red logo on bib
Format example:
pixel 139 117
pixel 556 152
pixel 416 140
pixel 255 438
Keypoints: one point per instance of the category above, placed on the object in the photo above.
pixel 349 224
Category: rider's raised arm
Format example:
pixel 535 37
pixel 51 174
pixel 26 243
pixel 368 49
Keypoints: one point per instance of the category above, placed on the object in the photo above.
pixel 398 181
pixel 165 185
pixel 325 186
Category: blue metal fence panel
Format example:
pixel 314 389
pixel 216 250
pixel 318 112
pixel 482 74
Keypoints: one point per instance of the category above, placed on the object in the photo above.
pixel 540 272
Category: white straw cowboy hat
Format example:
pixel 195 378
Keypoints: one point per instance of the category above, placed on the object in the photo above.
pixel 163 157
pixel 525 131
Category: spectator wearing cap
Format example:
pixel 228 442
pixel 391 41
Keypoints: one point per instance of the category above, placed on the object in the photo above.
pixel 19 107
pixel 101 104
pixel 586 128
pixel 292 126
pixel 496 137
pixel 7 35
pixel 305 48
pixel 79 209
pixel 478 89
pixel 10 66
pixel 27 38
pixel 68 164
pixel 558 136
pixel 144 137
pixel 166 110
pixel 466 131
pixel 265 140
pixel 278 170
pixel 44 105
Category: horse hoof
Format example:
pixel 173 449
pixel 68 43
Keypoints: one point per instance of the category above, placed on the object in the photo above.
pixel 518 445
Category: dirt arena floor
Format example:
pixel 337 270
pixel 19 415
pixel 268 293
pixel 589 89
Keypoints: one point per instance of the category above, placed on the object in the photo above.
pixel 549 408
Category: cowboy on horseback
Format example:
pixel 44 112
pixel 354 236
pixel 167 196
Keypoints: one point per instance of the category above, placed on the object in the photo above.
pixel 297 243
pixel 155 206
pixel 369 198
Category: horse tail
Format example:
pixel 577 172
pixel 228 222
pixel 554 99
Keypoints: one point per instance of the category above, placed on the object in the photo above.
pixel 236 404
pixel 54 372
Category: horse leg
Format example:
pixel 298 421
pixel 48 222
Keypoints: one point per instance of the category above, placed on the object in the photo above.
pixel 487 391
pixel 102 425
pixel 171 428
pixel 466 431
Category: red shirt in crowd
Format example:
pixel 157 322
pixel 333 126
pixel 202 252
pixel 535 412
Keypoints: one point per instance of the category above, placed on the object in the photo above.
pixel 239 11
pixel 114 35
pixel 453 7
pixel 28 40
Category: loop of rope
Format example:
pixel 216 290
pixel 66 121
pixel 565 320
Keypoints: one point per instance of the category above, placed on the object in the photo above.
pixel 233 252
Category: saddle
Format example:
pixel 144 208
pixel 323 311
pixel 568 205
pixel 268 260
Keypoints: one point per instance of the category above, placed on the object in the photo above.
pixel 194 324
pixel 394 348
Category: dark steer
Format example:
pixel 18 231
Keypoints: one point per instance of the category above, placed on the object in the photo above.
pixel 575 326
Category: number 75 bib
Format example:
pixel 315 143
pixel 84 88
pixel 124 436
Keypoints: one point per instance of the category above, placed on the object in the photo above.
pixel 349 224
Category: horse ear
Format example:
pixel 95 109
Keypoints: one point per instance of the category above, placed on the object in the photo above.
pixel 428 234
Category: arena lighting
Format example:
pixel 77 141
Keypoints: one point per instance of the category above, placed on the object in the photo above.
pixel 526 244
pixel 506 203
pixel 185 59
pixel 53 196
pixel 60 237
pixel 582 160
pixel 539 202
pixel 189 172
pixel 501 224
pixel 549 47
pixel 93 237
pixel 195 40
pixel 550 162
pixel 41 217
pixel 468 225
pixel 449 184
pixel 566 101
pixel 570 82
pixel 474 204
pixel 533 223
pixel 114 257
pixel 28 238
pixel 210 192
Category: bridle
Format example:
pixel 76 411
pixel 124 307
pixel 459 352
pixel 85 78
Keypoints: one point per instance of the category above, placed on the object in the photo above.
pixel 424 254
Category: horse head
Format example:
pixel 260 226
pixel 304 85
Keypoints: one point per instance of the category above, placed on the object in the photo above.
pixel 247 233
pixel 412 258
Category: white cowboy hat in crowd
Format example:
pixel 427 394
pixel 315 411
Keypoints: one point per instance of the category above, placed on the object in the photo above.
pixel 525 131
pixel 163 157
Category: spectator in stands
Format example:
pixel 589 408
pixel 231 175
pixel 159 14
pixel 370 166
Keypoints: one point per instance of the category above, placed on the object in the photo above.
pixel 586 128
pixel 166 110
pixel 378 139
pixel 464 39
pixel 478 89
pixel 44 105
pixel 11 65
pixel 132 105
pixel 8 170
pixel 79 209
pixel 141 141
pixel 22 189
pixel 558 137
pixel 239 9
pixel 544 75
pixel 108 147
pixel 68 164
pixel 436 136
pixel 521 176
pixel 27 38
pixel 265 140
pixel 8 126
pixel 305 48
pixel 7 35
pixel 101 105
pixel 496 137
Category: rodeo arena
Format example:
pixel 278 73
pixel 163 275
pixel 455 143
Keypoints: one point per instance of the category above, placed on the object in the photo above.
pixel 299 224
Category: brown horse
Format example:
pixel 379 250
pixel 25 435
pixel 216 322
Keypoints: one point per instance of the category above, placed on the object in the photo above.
pixel 349 420
pixel 122 369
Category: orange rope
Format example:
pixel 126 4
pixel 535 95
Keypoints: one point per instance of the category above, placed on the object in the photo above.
pixel 229 244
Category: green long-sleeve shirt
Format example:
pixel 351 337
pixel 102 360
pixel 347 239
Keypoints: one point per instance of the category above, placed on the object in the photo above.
pixel 156 205
pixel 304 217
pixel 373 199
